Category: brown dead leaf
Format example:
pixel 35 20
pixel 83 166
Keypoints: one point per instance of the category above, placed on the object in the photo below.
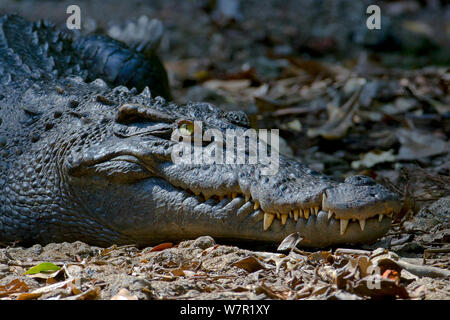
pixel 90 294
pixel 249 73
pixel 320 290
pixel 363 264
pixel 416 145
pixel 290 242
pixel 186 69
pixel 319 256
pixel 340 276
pixel 337 126
pixel 177 273
pixel 376 286
pixel 28 296
pixel 162 246
pixel 250 264
pixel 15 286
pixel 74 288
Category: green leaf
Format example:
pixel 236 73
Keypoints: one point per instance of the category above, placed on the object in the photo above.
pixel 43 267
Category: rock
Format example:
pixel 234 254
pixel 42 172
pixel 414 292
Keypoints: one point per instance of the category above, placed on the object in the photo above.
pixel 186 244
pixel 409 249
pixel 204 242
pixel 437 214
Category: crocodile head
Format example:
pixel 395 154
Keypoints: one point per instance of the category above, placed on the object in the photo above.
pixel 82 161
pixel 128 179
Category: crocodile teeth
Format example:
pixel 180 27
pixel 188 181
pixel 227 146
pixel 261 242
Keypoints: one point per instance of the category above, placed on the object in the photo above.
pixel 284 218
pixel 296 214
pixel 324 200
pixel 344 223
pixel 300 213
pixel 330 214
pixel 278 216
pixel 316 210
pixel 306 213
pixel 362 224
pixel 256 205
pixel 380 217
pixel 233 195
pixel 291 214
pixel 268 219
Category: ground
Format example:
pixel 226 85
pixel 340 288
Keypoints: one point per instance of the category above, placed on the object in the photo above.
pixel 344 103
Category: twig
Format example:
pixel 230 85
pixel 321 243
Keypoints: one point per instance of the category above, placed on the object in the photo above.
pixel 402 240
pixel 424 271
pixel 262 288
pixel 342 251
pixel 429 251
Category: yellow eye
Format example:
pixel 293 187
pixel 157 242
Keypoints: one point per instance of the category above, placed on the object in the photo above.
pixel 186 128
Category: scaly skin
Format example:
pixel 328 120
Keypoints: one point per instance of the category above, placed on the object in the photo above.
pixel 83 161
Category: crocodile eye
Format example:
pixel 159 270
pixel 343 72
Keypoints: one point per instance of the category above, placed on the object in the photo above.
pixel 186 128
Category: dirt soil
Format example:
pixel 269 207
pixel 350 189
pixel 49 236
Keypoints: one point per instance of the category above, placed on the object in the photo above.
pixel 345 101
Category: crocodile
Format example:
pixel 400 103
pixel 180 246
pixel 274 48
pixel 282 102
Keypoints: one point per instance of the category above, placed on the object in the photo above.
pixel 91 160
